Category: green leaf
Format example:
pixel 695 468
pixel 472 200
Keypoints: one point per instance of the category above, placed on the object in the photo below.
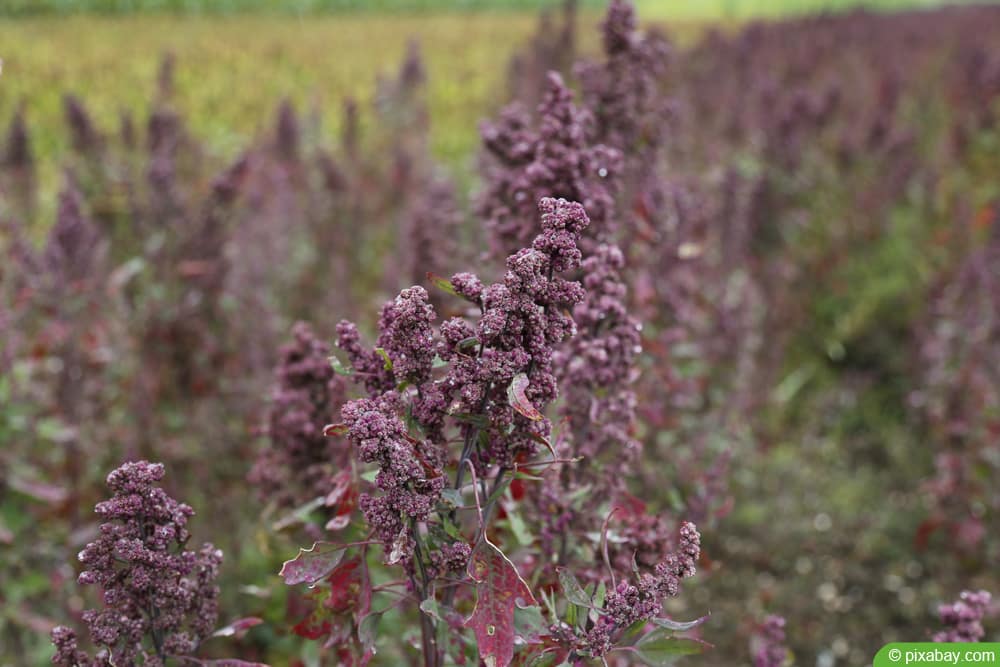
pixel 520 529
pixel 430 607
pixel 298 515
pixel 385 358
pixel 368 629
pixel 476 420
pixel 452 497
pixel 442 284
pixel 529 624
pixel 466 345
pixel 500 490
pixel 572 589
pixel 678 626
pixel 660 648
pixel 602 592
pixel 338 367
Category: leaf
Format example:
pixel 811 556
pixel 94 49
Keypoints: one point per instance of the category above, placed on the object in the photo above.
pixel 387 360
pixel 430 607
pixel 499 591
pixel 529 624
pixel 452 497
pixel 46 493
pixel 398 546
pixel 367 629
pixel 313 564
pixel 660 649
pixel 338 366
pixel 478 421
pixel 230 662
pixel 678 626
pixel 517 526
pixel 238 628
pixel 518 399
pixel 466 344
pixel 442 283
pixel 298 515
pixel 572 588
pixel 346 582
pixel 600 595
pixel 335 430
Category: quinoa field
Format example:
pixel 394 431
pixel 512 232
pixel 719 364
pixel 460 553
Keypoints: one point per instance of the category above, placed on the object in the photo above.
pixel 499 332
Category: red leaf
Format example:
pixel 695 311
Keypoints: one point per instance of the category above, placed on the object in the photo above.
pixel 499 589
pixel 313 564
pixel 341 486
pixel 334 430
pixel 345 585
pixel 518 399
pixel 313 626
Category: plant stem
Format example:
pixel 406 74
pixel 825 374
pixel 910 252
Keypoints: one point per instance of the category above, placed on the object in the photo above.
pixel 428 631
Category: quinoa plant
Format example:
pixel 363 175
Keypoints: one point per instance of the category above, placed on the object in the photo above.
pixel 159 598
pixel 963 619
pixel 452 416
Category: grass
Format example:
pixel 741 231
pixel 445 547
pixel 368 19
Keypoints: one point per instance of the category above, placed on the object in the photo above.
pixel 232 71
pixel 234 68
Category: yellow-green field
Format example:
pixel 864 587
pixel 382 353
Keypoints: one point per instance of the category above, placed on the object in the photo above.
pixel 232 70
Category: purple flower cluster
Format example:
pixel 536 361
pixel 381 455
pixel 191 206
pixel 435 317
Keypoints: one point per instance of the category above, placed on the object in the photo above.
pixel 17 171
pixel 74 244
pixel 558 158
pixel 629 603
pixel 160 599
pixel 963 619
pixel 430 229
pixel 597 370
pixel 771 650
pixel 410 484
pixel 300 462
pixel 405 347
pixel 599 367
pixel 623 92
pixel 407 335
pixel 523 319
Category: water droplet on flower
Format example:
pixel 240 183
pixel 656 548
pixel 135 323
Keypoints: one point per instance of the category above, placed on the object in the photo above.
pixel 491 630
pixel 602 172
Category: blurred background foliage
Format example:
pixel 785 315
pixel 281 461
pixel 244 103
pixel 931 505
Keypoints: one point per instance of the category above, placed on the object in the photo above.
pixel 831 524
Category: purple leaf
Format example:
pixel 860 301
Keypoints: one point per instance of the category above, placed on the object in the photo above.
pixel 499 591
pixel 519 400
pixel 313 564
